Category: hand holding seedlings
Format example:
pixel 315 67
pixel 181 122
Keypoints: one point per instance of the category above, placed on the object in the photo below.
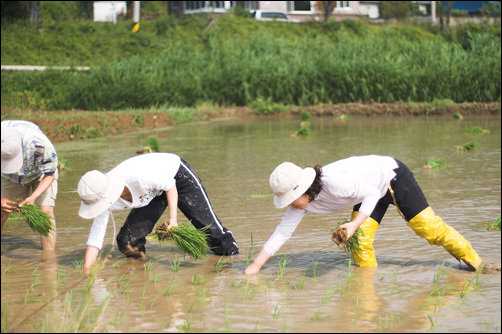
pixel 38 220
pixel 189 239
pixel 7 205
pixel 341 238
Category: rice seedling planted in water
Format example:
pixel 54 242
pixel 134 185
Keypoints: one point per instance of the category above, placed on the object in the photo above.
pixel 435 163
pixel 339 237
pixel 38 220
pixel 494 226
pixel 190 240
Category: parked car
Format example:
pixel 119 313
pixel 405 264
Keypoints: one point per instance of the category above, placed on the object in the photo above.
pixel 268 15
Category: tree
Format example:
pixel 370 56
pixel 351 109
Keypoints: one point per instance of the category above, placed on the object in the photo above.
pixel 35 13
pixel 491 9
pixel 445 8
pixel 399 10
pixel 326 7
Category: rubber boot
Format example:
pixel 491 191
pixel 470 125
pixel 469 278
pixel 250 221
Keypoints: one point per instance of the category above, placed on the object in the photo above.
pixel 365 256
pixel 431 227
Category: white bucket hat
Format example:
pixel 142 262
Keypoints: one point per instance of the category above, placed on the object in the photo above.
pixel 12 151
pixel 98 192
pixel 289 182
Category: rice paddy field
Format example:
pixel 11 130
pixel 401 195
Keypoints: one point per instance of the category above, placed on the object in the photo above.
pixel 310 285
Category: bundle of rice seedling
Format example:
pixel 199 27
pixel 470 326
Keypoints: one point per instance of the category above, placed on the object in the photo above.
pixel 469 146
pixel 435 163
pixel 153 143
pixel 476 130
pixel 187 238
pixel 340 238
pixel 38 221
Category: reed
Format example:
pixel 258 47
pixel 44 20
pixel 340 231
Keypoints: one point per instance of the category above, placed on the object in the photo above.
pixel 277 71
pixel 339 237
pixel 39 221
pixel 190 240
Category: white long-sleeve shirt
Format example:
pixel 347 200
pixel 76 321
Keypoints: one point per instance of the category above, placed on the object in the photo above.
pixel 146 176
pixel 347 182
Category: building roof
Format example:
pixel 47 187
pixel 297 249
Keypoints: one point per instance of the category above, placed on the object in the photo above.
pixel 470 6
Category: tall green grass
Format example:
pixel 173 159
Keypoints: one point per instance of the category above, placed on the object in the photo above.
pixel 304 66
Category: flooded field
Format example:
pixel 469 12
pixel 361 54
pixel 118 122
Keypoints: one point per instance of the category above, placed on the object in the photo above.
pixel 310 285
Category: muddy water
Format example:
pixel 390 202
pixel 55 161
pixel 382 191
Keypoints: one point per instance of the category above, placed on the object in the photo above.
pixel 415 288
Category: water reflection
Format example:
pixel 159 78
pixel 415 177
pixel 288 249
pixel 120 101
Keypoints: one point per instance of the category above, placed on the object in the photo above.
pixel 234 159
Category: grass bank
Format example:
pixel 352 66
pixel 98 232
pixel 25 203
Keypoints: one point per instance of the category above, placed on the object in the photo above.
pixel 173 63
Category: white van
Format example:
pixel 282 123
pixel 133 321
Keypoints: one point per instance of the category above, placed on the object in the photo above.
pixel 269 15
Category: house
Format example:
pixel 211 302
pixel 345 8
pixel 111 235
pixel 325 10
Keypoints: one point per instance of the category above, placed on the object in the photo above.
pixel 297 10
pixel 107 11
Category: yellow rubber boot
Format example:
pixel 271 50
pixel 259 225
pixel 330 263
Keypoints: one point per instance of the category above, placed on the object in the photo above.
pixel 431 227
pixel 366 255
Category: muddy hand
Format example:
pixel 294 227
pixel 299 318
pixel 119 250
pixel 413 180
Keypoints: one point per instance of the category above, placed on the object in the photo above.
pixel 171 223
pixel 350 228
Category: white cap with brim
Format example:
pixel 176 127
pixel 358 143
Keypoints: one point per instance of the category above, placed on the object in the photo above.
pixel 289 182
pixel 12 151
pixel 98 192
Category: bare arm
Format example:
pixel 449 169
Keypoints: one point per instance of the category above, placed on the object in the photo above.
pixel 42 187
pixel 260 260
pixel 91 254
pixel 172 204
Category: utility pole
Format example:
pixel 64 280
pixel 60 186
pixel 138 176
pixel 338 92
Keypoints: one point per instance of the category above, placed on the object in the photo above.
pixel 135 14
pixel 433 12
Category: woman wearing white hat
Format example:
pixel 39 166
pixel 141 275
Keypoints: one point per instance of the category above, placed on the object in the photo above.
pixel 369 184
pixel 29 172
pixel 148 184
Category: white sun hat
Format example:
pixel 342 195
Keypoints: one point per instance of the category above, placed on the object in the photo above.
pixel 289 182
pixel 12 150
pixel 98 192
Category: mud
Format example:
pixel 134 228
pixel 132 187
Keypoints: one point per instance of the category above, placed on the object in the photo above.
pixel 74 125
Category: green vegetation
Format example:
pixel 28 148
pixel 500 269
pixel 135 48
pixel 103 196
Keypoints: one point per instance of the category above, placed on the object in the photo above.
pixel 304 125
pixel 476 130
pixel 339 237
pixel 266 65
pixel 153 143
pixel 190 240
pixel 435 163
pixel 37 220
pixel 494 226
pixel 469 146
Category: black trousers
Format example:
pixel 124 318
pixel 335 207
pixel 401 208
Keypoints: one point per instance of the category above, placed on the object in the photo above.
pixel 409 197
pixel 195 205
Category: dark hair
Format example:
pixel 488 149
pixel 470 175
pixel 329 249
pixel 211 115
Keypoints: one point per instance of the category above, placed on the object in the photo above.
pixel 316 186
